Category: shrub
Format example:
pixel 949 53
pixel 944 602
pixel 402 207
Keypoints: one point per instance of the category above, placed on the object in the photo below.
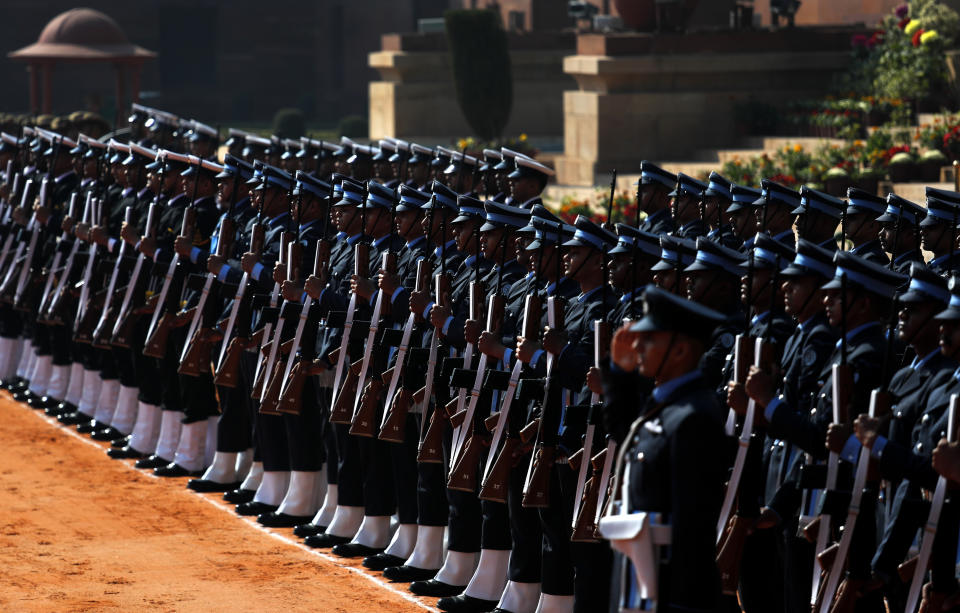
pixel 289 123
pixel 353 125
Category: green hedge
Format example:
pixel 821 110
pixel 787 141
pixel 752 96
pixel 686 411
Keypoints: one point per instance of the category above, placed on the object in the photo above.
pixel 481 69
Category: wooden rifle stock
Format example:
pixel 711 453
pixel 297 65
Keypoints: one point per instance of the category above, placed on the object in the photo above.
pixel 229 373
pixel 364 422
pixel 528 432
pixel 431 447
pixel 290 399
pixel 496 485
pixel 730 553
pixel 394 429
pixel 585 528
pixel 85 327
pixel 538 492
pixel 907 569
pixel 268 406
pixel 156 345
pixel 463 477
pixel 197 360
pixel 531 317
pixel 342 411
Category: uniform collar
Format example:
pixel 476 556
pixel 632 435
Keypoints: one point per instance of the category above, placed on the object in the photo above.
pixel 663 392
pixel 449 247
pixel 412 244
pixel 276 221
pixel 759 318
pixel 583 297
pixel 921 362
pixel 379 241
pixel 353 239
pixel 852 334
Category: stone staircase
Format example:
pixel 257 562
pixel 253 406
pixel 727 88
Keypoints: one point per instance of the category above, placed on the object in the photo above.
pixel 705 160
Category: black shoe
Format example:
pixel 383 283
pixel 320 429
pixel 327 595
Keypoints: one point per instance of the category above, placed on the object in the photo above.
pixel 106 434
pixel 254 508
pixel 175 470
pixel 89 427
pixel 381 561
pixel 62 408
pixel 325 540
pixel 305 530
pixel 23 395
pixel 466 604
pixel 205 486
pixel 124 453
pixel 42 402
pixel 281 520
pixel 437 589
pixel 11 382
pixel 72 419
pixel 239 496
pixel 355 550
pixel 151 462
pixel 121 441
pixel 409 574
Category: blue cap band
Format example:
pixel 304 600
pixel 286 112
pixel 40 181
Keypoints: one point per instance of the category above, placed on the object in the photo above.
pixel 814 264
pixel 719 188
pixel 868 205
pixel 908 215
pixel 866 281
pixel 507 220
pixel 929 289
pixel 375 198
pixel 596 241
pixel 716 260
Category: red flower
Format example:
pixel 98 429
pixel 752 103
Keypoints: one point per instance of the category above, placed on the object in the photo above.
pixel 859 40
pixel 903 22
pixel 916 37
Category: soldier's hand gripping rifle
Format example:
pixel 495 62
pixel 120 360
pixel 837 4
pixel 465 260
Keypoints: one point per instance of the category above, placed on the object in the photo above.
pixel 294 379
pixel 12 234
pixel 89 215
pixel 165 313
pixel 732 532
pixel 10 277
pixel 430 449
pixel 260 374
pixel 195 357
pixel 30 261
pixel 400 399
pixel 841 379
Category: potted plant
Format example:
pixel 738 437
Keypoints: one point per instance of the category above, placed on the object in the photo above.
pixel 836 181
pixel 868 179
pixel 930 164
pixel 902 168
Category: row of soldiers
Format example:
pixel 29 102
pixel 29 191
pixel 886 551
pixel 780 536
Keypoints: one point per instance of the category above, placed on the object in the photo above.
pixel 401 354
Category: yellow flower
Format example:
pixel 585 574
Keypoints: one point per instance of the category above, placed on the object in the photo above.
pixel 797 148
pixel 462 143
pixel 928 37
pixel 858 143
pixel 912 26
pixel 523 138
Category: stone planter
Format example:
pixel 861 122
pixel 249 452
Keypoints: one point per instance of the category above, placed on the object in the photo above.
pixel 929 172
pixel 902 173
pixel 637 14
pixel 838 186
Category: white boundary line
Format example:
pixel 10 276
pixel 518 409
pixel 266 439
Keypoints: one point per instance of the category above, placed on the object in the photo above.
pixel 279 537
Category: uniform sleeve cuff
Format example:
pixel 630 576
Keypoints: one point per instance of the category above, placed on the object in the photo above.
pixel 536 357
pixel 851 450
pixel 156 255
pixel 194 254
pixel 426 311
pixel 772 408
pixel 507 354
pixel 257 269
pixel 396 293
pixel 111 243
pixel 446 325
pixel 373 297
pixel 224 271
pixel 877 450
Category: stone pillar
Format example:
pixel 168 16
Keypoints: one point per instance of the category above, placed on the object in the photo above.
pixel 663 97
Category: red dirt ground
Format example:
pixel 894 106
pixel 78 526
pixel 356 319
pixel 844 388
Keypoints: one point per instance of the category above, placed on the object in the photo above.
pixel 82 532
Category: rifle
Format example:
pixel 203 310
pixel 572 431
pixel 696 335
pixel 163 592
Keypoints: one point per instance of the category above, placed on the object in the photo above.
pixel 536 490
pixel 269 392
pixel 11 235
pixel 842 378
pixel 88 269
pixel 159 329
pixel 105 316
pixel 48 291
pixel 394 418
pixel 129 312
pixel 292 388
pixel 465 458
pixel 31 247
pixel 9 277
pixel 342 407
pixel 584 523
pixel 227 372
pixel 933 517
pixel 195 357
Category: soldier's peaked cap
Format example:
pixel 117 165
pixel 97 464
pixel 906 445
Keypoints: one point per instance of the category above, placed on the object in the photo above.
pixel 411 199
pixel 541 212
pixel 899 207
pixel 865 275
pixel 675 253
pixel 664 311
pixel 810 260
pixel 940 212
pixel 718 186
pixel 925 286
pixel 741 197
pixel 952 312
pixel 772 192
pixel 630 239
pixel 499 215
pixel 590 234
pixel 819 202
pixel 713 256
pixel 861 201
pixel 687 185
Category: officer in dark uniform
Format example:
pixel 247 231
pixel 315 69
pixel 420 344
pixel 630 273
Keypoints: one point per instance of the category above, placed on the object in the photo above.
pixel 686 208
pixel 528 181
pixel 675 255
pixel 938 232
pixel 662 468
pixel 900 232
pixel 861 226
pixel 715 201
pixel 655 186
pixel 774 211
pixel 818 217
pixel 636 251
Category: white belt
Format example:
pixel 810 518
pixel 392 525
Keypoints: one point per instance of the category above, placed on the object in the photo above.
pixel 637 535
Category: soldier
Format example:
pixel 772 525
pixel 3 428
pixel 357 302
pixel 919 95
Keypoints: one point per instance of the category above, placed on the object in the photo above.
pixel 818 217
pixel 686 209
pixel 715 201
pixel 666 484
pixel 675 255
pixel 741 215
pixel 774 211
pixel 528 181
pixel 636 251
pixel 938 230
pixel 900 232
pixel 655 186
pixel 861 227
